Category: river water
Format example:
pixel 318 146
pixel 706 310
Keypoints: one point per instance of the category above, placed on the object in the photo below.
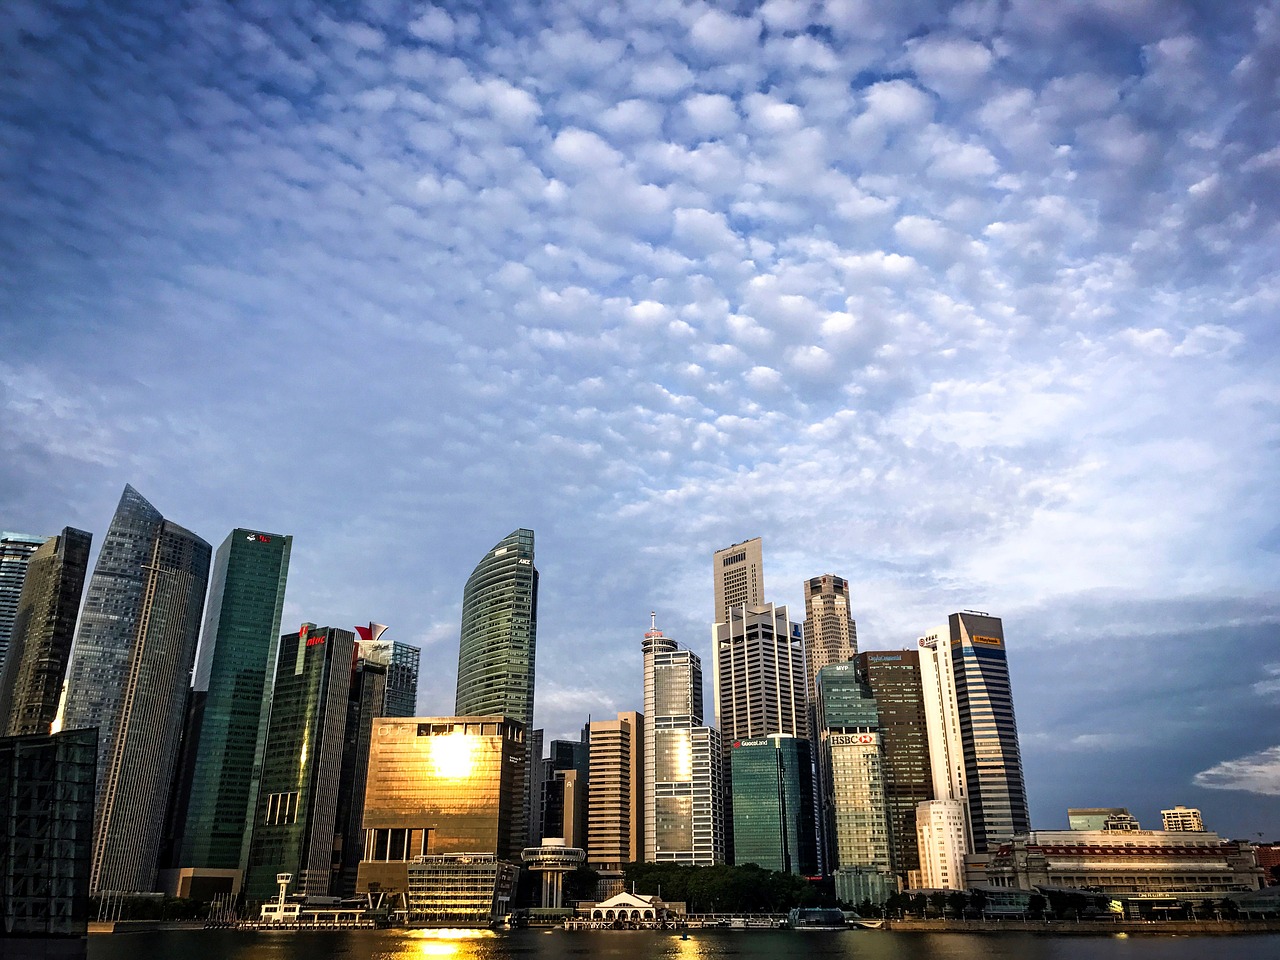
pixel 645 945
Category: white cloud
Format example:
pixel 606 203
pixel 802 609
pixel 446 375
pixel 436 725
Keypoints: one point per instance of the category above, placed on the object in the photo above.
pixel 1255 773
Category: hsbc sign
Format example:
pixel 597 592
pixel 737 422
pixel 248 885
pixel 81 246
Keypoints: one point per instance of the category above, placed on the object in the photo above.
pixel 851 739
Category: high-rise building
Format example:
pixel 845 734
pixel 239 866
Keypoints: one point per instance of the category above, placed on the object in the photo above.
pixel 46 836
pixel 15 550
pixel 441 786
pixel 973 735
pixel 43 629
pixel 401 661
pixel 855 807
pixel 565 779
pixel 757 657
pixel 894 679
pixel 1182 819
pixel 683 823
pixel 737 574
pixel 235 668
pixel 366 700
pixel 135 793
pixel 499 640
pixel 109 622
pixel 773 813
pixel 830 634
pixel 296 821
pixel 615 802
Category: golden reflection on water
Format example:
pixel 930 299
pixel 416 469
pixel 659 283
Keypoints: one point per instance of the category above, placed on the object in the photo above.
pixel 444 942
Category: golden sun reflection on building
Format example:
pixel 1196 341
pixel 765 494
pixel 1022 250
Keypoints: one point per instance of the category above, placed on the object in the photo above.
pixel 453 757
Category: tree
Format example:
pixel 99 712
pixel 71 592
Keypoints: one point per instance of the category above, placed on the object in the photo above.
pixel 1036 904
pixel 580 884
pixel 957 902
pixel 978 903
pixel 939 902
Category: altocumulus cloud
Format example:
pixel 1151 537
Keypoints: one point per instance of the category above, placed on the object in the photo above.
pixel 973 304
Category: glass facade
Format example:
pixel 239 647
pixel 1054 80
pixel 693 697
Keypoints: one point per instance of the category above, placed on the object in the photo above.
pixel 15 550
pixel 989 731
pixel 109 621
pixel 135 790
pixel 440 785
pixel 366 700
pixel 894 679
pixel 296 818
pixel 852 775
pixel 470 890
pixel 773 813
pixel 233 677
pixel 43 629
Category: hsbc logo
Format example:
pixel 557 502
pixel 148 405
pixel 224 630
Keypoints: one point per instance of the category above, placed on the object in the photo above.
pixel 851 739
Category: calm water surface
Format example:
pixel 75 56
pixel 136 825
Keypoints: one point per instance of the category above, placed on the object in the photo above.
pixel 701 945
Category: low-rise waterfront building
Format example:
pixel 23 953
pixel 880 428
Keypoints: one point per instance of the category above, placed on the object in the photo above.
pixel 460 889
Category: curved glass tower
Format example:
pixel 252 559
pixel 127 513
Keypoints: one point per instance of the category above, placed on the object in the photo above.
pixel 499 633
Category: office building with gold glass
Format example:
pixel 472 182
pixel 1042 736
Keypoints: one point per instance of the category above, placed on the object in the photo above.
pixel 437 786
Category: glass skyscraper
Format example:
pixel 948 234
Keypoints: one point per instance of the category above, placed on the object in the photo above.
pixel 15 550
pixel 296 820
pixel 682 825
pixel 232 692
pixel 109 622
pixel 134 797
pixel 43 629
pixel 773 814
pixel 401 661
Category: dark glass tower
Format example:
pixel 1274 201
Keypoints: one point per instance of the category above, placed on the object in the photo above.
pixel 366 699
pixel 40 644
pixel 15 550
pixel 232 694
pixel 773 813
pixel 499 633
pixel 295 824
pixel 894 678
pixel 134 796
pixel 109 621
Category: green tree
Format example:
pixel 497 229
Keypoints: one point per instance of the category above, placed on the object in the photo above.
pixel 957 902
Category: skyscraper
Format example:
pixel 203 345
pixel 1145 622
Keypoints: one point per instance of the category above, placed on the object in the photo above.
pixel 232 701
pixel 565 781
pixel 683 823
pixel 366 700
pixel 830 634
pixel 136 785
pixel 773 813
pixel 499 641
pixel 737 574
pixel 615 799
pixel 894 679
pixel 973 735
pixel 855 809
pixel 295 825
pixel 401 661
pixel 15 550
pixel 43 629
pixel 109 622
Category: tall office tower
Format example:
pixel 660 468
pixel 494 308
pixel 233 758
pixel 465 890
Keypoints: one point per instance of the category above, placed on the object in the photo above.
pixel 854 802
pixel 15 550
pixel 43 628
pixel 295 824
pixel 231 702
pixel 894 678
pixel 566 775
pixel 757 658
pixel 136 786
pixel 973 735
pixel 773 814
pixel 109 623
pixel 437 786
pixel 46 840
pixel 830 634
pixel 680 821
pixel 499 639
pixel 737 574
pixel 366 700
pixel 1182 820
pixel 615 804
pixel 401 661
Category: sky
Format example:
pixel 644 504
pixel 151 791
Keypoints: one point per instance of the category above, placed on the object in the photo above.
pixel 973 304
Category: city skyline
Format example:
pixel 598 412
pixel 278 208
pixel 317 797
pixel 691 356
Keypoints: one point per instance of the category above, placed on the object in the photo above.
pixel 971 306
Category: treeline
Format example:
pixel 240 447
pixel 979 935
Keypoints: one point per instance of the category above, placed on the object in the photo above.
pixel 744 889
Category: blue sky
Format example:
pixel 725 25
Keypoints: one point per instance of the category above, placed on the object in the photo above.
pixel 972 304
